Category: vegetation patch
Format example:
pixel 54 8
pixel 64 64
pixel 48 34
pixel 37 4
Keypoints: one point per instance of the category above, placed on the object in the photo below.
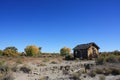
pixel 108 57
pixel 69 57
pixel 115 71
pixel 46 60
pixel 92 73
pixel 76 76
pixel 25 69
pixel 53 62
pixel 14 68
pixel 65 51
pixel 19 61
pixel 5 72
pixel 102 77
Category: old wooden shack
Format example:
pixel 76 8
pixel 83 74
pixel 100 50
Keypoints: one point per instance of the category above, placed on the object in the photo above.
pixel 86 51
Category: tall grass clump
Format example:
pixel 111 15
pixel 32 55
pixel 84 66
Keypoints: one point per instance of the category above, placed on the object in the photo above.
pixel 108 58
pixel 5 72
pixel 100 60
pixel 25 69
pixel 111 59
pixel 92 73
pixel 115 71
pixel 46 60
pixel 69 57
pixel 102 77
pixel 99 70
pixel 76 76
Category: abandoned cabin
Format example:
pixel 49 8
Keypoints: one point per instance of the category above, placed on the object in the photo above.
pixel 86 51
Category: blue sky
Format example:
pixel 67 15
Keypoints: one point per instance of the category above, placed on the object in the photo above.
pixel 53 24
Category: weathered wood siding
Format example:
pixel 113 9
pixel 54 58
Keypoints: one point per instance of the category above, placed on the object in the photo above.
pixel 91 51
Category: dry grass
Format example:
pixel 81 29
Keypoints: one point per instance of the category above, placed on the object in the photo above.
pixel 23 60
pixel 5 72
pixel 102 77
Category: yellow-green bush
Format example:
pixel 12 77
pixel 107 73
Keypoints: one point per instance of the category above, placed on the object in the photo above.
pixel 10 51
pixel 32 50
pixel 65 51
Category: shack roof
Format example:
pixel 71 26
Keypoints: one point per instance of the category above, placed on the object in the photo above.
pixel 85 46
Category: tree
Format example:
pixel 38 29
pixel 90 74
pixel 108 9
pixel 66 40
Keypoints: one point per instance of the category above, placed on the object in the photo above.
pixel 11 48
pixel 40 49
pixel 116 52
pixel 65 51
pixel 10 51
pixel 1 52
pixel 32 50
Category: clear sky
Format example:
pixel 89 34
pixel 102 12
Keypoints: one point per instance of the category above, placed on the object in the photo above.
pixel 53 24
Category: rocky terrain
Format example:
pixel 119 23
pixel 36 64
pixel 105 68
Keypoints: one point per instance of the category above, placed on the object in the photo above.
pixel 52 71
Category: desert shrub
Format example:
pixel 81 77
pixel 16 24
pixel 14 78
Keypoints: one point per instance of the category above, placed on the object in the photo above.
pixel 46 60
pixel 22 54
pixel 106 71
pixel 100 60
pixel 87 66
pixel 14 68
pixel 4 68
pixel 116 52
pixel 118 58
pixel 25 69
pixel 2 62
pixel 5 72
pixel 102 77
pixel 12 48
pixel 7 76
pixel 32 50
pixel 99 70
pixel 83 71
pixel 65 51
pixel 115 71
pixel 103 54
pixel 53 62
pixel 1 52
pixel 10 51
pixel 44 78
pixel 19 61
pixel 77 59
pixel 76 76
pixel 92 73
pixel 111 59
pixel 42 64
pixel 69 57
